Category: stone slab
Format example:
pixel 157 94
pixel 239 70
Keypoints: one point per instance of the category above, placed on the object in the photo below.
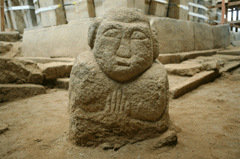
pixel 12 36
pixel 54 70
pixel 63 83
pixel 169 58
pixel 229 52
pixel 221 36
pixel 203 39
pixel 174 35
pixel 183 69
pixel 46 59
pixel 59 41
pixel 19 71
pixel 192 55
pixel 9 92
pixel 230 66
pixel 192 83
pixel 179 57
pixel 3 128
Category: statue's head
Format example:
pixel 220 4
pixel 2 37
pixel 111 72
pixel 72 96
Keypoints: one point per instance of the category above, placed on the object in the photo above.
pixel 123 42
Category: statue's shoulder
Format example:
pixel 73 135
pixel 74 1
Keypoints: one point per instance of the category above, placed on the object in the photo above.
pixel 156 72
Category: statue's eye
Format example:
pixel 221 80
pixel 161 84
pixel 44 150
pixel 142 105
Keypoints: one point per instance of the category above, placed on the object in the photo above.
pixel 111 33
pixel 138 35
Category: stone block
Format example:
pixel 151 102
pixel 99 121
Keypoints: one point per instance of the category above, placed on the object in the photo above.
pixel 84 9
pixel 59 41
pixel 63 83
pixel 10 36
pixel 183 13
pixel 52 17
pixel 183 69
pixel 192 83
pixel 69 40
pixel 9 92
pixel 54 70
pixel 230 66
pixel 174 35
pixel 191 55
pixel 158 9
pixel 19 71
pixel 203 39
pixel 169 58
pixel 37 42
pixel 221 36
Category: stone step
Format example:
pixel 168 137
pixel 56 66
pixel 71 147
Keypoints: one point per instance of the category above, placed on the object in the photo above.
pixel 236 43
pixel 55 70
pixel 183 69
pixel 230 66
pixel 179 57
pixel 63 83
pixel 229 52
pixel 9 92
pixel 12 36
pixel 44 60
pixel 192 83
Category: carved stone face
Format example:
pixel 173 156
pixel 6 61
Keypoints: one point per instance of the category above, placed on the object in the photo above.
pixel 123 47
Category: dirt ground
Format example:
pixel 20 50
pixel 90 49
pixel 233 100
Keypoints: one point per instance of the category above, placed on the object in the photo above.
pixel 209 118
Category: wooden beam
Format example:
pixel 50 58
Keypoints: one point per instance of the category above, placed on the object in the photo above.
pixel 229 4
pixel 2 15
pixel 223 11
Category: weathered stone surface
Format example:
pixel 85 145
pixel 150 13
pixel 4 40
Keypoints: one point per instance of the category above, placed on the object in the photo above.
pixel 3 128
pixel 54 70
pixel 167 139
pixel 10 36
pixel 5 48
pixel 118 96
pixel 174 35
pixel 230 66
pixel 183 69
pixel 60 41
pixel 221 36
pixel 229 52
pixel 63 83
pixel 9 92
pixel 192 55
pixel 19 71
pixel 46 59
pixel 211 65
pixel 169 58
pixel 203 36
pixel 192 83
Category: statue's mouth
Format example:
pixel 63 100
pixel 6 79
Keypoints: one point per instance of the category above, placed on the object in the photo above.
pixel 123 62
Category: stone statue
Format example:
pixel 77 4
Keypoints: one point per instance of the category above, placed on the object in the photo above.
pixel 118 91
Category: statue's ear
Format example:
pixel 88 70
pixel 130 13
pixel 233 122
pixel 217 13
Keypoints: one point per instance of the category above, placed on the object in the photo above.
pixel 155 43
pixel 92 32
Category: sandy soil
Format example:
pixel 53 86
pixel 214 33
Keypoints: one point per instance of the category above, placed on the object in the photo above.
pixel 209 118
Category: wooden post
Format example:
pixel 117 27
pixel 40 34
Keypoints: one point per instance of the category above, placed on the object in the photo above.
pixel 223 11
pixel 2 15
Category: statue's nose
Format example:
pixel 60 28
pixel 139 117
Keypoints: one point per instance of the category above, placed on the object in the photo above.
pixel 124 49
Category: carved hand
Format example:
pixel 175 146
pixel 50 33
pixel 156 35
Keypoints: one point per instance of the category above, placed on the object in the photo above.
pixel 116 103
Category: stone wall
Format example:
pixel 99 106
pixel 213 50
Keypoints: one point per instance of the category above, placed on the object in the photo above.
pixel 174 36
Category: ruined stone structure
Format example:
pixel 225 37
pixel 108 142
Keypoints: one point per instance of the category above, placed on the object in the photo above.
pixel 118 91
